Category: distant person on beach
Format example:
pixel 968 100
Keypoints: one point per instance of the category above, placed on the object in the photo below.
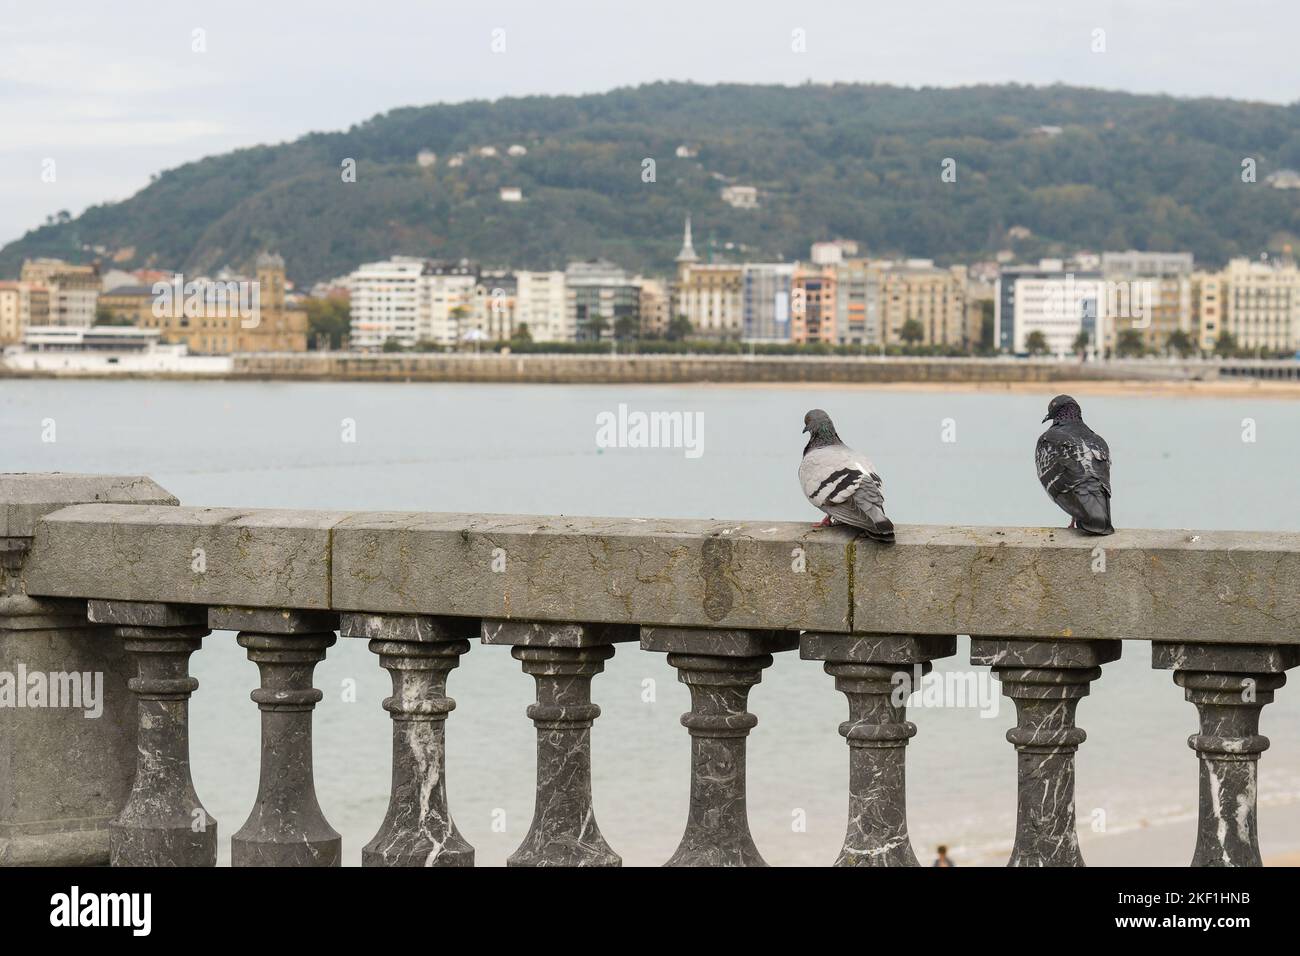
pixel 942 858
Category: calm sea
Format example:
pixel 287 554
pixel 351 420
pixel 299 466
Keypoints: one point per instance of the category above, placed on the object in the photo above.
pixel 1180 463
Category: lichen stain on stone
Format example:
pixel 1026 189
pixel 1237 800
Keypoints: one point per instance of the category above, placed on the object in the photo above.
pixel 715 568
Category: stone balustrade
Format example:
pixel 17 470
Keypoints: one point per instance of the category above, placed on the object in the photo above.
pixel 111 575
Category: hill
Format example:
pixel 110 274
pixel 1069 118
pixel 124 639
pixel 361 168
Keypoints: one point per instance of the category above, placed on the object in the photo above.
pixel 850 161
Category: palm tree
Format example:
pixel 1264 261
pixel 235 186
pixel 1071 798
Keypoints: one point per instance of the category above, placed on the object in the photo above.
pixel 1081 342
pixel 1180 342
pixel 1225 345
pixel 1130 344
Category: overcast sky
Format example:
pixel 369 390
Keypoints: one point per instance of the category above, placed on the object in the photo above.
pixel 113 92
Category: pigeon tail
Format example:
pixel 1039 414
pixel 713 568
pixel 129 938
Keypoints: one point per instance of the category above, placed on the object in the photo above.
pixel 881 529
pixel 1092 511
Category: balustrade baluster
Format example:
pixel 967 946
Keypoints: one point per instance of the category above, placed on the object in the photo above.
pixel 286 826
pixel 877 673
pixel 163 823
pixel 1229 684
pixel 563 658
pixel 1046 679
pixel 719 667
pixel 419 653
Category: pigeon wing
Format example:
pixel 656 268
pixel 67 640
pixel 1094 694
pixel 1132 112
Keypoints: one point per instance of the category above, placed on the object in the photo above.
pixel 835 475
pixel 1069 457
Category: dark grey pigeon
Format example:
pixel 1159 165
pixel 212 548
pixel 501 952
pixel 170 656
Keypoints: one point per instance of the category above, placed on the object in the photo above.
pixel 1074 466
pixel 841 482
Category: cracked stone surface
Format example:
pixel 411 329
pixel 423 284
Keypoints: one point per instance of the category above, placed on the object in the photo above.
pixel 163 822
pixel 286 826
pixel 866 669
pixel 1046 680
pixel 1025 583
pixel 1229 686
pixel 419 653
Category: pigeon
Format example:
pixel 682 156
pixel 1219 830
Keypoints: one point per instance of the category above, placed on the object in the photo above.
pixel 1074 466
pixel 842 482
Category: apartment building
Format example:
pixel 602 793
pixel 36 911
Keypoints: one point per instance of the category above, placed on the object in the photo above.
pixel 1148 292
pixel 765 301
pixel 812 310
pixel 916 290
pixel 1208 305
pixel 656 306
pixel 1262 304
pixel 598 294
pixel 386 302
pixel 541 304
pixel 22 305
pixel 73 290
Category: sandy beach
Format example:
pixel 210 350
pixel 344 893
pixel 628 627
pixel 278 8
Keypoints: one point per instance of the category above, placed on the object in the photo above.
pixel 1223 388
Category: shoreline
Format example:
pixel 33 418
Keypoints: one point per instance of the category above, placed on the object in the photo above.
pixel 1273 389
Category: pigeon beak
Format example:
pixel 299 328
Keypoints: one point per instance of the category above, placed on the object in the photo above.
pixel 1047 417
pixel 805 429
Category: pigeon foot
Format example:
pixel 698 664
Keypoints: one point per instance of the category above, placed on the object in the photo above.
pixel 824 523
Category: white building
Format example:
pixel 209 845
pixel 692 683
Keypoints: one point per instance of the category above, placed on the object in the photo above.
pixel 512 194
pixel 386 301
pixel 741 197
pixel 517 149
pixel 1058 306
pixel 540 302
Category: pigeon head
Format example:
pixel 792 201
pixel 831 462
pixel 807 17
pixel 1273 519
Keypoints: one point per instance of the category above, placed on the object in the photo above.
pixel 818 425
pixel 1063 409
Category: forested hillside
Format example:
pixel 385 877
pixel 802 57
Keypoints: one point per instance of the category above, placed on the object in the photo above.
pixel 850 161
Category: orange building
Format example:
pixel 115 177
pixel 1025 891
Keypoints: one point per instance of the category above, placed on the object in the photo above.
pixel 812 304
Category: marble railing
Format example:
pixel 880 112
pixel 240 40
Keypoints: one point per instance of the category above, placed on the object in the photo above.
pixel 109 575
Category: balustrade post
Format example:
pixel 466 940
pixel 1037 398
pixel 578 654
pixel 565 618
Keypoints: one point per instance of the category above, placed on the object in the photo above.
pixel 563 658
pixel 163 822
pixel 1046 679
pixel 1229 684
pixel 877 673
pixel 419 653
pixel 719 667
pixel 286 826
pixel 67 719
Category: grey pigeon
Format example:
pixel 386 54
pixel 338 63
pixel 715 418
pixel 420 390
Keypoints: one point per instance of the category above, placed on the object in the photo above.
pixel 842 482
pixel 1074 466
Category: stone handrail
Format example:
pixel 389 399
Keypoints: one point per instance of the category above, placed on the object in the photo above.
pixel 110 575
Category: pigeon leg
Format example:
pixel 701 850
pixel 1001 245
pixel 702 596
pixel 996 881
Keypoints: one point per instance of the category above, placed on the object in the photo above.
pixel 824 523
pixel 1070 525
